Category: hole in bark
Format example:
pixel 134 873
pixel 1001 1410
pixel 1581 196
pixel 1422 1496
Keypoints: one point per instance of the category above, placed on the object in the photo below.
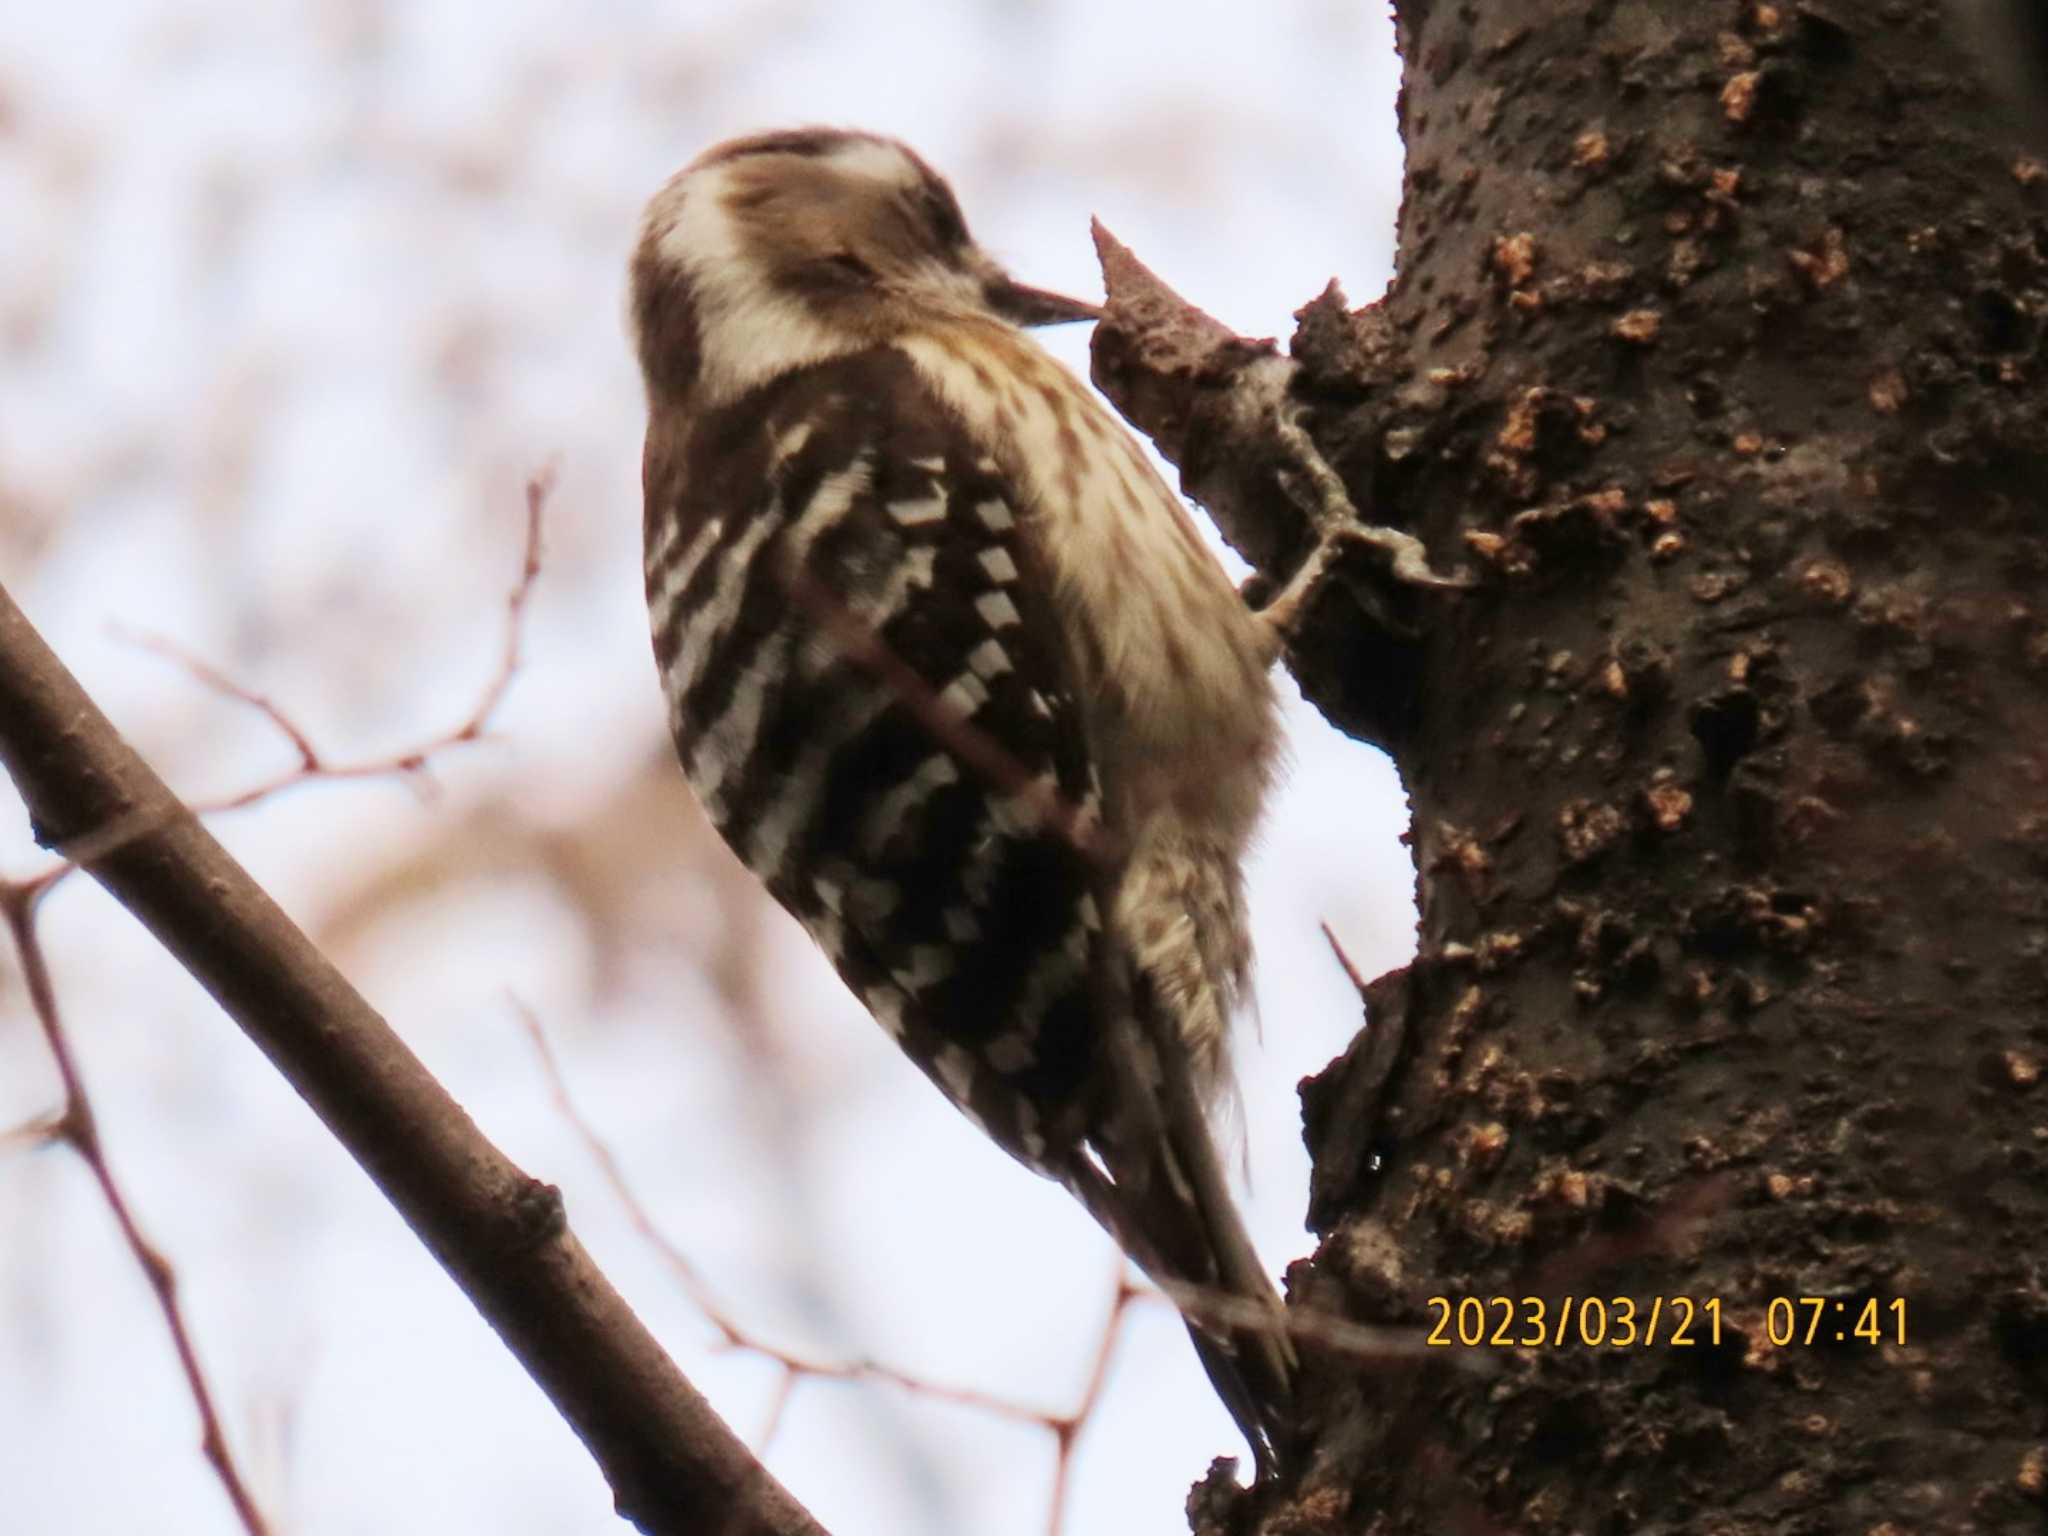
pixel 2020 1326
pixel 1841 705
pixel 1565 1433
pixel 1826 40
pixel 1999 324
pixel 1726 728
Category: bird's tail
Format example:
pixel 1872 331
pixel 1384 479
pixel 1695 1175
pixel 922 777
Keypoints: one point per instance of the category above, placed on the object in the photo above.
pixel 1156 1185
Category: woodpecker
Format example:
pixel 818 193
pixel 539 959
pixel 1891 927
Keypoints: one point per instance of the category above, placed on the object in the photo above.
pixel 951 670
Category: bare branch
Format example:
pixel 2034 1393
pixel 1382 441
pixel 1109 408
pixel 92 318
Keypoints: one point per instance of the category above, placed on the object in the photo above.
pixel 1068 1429
pixel 1064 1427
pixel 538 488
pixel 410 764
pixel 1344 959
pixel 211 677
pixel 77 1125
pixel 673 1465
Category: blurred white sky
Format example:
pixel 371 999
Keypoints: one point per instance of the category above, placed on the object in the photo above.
pixel 292 298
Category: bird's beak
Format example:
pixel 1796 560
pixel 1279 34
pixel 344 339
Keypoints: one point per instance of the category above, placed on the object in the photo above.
pixel 1034 306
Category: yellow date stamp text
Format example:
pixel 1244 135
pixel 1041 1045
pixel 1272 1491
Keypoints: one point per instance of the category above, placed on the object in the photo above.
pixel 1677 1322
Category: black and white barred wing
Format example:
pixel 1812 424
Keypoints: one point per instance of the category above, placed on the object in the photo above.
pixel 876 714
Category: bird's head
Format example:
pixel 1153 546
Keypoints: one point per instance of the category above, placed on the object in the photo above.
pixel 779 249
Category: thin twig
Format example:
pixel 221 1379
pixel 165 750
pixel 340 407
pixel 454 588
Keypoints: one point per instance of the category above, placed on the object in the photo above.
pixel 1067 1429
pixel 212 678
pixel 410 764
pixel 1357 976
pixel 77 1126
pixel 732 1334
pixel 1064 1427
pixel 539 488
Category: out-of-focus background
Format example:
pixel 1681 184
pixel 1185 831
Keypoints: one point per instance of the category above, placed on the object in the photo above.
pixel 293 299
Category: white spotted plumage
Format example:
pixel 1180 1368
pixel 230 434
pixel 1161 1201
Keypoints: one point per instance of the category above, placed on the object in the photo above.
pixel 952 671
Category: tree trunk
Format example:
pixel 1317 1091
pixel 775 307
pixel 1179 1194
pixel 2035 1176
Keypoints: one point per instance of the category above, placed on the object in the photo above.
pixel 1715 358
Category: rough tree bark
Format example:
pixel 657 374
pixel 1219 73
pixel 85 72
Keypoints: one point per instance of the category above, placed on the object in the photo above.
pixel 1716 358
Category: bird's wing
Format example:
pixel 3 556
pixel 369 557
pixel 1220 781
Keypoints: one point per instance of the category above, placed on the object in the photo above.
pixel 873 704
